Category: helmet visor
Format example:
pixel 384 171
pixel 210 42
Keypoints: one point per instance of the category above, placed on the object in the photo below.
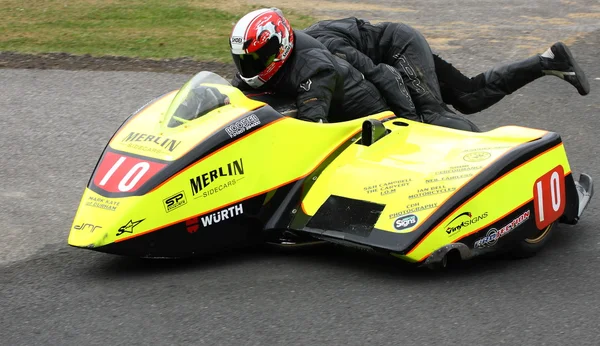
pixel 252 64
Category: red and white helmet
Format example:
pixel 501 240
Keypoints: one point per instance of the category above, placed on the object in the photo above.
pixel 261 42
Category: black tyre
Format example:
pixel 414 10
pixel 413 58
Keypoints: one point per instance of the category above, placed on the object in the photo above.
pixel 439 266
pixel 528 247
pixel 450 260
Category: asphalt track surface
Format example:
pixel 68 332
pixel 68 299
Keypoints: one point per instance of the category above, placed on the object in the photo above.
pixel 54 126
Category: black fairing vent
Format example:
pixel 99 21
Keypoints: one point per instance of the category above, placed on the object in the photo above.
pixel 347 215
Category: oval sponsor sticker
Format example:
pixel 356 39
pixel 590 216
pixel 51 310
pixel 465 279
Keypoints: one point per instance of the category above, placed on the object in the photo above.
pixel 405 221
pixel 477 156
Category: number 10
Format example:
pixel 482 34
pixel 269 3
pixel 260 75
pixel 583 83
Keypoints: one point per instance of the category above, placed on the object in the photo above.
pixel 549 197
pixel 120 173
pixel 140 168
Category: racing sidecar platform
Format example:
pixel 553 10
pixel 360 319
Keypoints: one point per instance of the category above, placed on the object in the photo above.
pixel 206 168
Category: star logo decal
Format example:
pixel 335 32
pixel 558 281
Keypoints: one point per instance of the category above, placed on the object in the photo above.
pixel 128 228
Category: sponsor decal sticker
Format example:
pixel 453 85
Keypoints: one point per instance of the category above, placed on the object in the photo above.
pixel 487 148
pixel 192 225
pixel 242 125
pixel 492 236
pixel 199 184
pixel 86 226
pixel 218 188
pixel 157 141
pixel 128 228
pixel 449 177
pixel 387 187
pixel 175 201
pixel 413 208
pixel 430 191
pixel 405 222
pixel 101 203
pixel 458 169
pixel 477 156
pixel 462 221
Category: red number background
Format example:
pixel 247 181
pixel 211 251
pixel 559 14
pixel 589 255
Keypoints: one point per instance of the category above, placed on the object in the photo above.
pixel 545 208
pixel 112 185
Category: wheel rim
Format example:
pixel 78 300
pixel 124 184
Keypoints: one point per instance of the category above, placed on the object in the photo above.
pixel 540 236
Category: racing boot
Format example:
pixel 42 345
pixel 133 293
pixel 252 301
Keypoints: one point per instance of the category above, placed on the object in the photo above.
pixel 558 61
pixel 471 95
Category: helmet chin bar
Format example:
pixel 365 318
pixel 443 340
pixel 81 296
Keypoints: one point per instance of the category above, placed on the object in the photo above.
pixel 260 79
pixel 254 82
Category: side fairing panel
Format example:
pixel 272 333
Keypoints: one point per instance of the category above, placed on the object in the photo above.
pixel 414 173
pixel 413 170
pixel 529 184
pixel 208 193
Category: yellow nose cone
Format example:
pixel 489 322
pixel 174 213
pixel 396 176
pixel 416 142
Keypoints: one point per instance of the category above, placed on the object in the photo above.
pixel 99 221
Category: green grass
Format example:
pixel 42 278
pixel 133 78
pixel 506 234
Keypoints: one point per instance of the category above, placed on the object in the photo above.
pixel 146 29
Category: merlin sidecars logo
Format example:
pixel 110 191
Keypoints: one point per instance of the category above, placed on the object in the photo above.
pixel 406 221
pixel 163 142
pixel 462 221
pixel 202 181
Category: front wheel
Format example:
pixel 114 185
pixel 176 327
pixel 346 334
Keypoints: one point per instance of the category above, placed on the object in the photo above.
pixel 528 247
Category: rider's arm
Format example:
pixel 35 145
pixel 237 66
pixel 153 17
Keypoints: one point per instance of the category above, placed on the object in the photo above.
pixel 387 79
pixel 318 84
pixel 315 95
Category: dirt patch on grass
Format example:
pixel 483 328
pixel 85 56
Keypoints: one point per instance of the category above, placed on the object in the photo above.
pixel 64 61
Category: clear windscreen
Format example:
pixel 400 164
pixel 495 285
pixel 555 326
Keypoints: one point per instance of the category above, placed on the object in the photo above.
pixel 196 98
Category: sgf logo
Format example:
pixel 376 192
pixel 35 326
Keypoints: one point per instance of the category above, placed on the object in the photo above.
pixel 175 201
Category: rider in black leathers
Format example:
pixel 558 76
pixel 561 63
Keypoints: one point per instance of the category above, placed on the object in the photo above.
pixel 270 56
pixel 326 87
pixel 431 81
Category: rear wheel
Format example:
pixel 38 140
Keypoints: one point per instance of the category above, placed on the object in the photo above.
pixel 528 247
pixel 452 258
pixel 440 265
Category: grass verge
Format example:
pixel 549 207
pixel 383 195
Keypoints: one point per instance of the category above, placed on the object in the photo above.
pixel 155 29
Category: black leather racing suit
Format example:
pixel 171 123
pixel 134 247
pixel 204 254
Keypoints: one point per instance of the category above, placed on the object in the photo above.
pixel 396 45
pixel 470 95
pixel 325 87
pixel 404 47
